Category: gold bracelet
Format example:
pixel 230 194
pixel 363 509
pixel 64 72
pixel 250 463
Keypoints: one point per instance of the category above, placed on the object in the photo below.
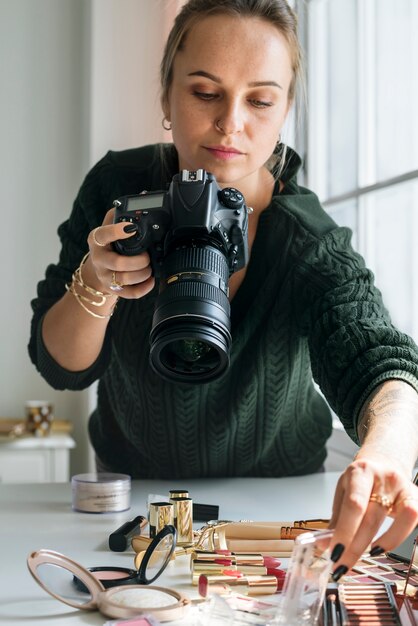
pixel 77 279
pixel 70 288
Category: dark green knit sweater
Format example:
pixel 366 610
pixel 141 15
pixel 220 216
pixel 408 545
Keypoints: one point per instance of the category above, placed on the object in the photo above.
pixel 307 307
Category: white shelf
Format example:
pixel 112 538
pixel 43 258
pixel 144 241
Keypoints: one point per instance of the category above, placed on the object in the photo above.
pixel 36 459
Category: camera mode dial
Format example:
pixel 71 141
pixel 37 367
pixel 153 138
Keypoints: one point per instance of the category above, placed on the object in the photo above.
pixel 231 198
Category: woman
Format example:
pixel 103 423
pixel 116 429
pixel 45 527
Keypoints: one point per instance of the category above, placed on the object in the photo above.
pixel 304 304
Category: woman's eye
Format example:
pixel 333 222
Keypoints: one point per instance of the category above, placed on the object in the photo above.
pixel 203 95
pixel 261 104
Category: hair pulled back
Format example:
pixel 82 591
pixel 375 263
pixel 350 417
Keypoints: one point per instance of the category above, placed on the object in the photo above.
pixel 276 12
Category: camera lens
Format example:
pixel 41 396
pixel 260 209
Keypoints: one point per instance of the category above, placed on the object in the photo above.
pixel 190 336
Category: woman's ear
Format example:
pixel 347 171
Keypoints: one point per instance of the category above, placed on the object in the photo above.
pixel 165 106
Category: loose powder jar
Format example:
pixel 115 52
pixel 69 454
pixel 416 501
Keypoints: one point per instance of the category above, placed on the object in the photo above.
pixel 101 493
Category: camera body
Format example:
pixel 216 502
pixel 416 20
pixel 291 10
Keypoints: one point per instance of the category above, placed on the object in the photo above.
pixel 193 209
pixel 197 236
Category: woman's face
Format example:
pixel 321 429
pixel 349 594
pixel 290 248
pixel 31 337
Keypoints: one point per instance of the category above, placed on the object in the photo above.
pixel 229 97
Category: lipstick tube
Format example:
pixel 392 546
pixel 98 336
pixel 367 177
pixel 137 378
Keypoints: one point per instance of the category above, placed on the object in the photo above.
pixel 240 558
pixel 248 585
pixel 178 493
pixel 212 567
pixel 160 514
pixel 228 574
pixel 183 520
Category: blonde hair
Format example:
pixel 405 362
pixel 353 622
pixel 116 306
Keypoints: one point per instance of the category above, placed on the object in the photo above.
pixel 276 12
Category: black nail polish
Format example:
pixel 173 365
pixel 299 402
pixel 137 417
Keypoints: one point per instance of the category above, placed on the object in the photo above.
pixel 376 551
pixel 337 552
pixel 340 571
pixel 130 228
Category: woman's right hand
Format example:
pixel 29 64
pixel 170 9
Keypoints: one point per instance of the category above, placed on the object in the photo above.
pixel 106 270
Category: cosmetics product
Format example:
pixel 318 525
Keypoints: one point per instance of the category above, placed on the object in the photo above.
pixel 246 585
pixel 312 524
pixel 101 492
pixel 178 493
pixel 143 620
pixel 205 512
pixel 241 558
pixel 120 539
pixel 367 604
pixel 306 579
pixel 160 514
pixel 80 588
pixel 227 574
pixel 383 568
pixel 236 610
pixel 183 520
pixel 218 566
pixel 149 564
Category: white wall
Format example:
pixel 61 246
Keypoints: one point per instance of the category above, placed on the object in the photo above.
pixel 77 77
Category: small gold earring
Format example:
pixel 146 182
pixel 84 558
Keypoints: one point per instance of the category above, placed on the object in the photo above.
pixel 166 124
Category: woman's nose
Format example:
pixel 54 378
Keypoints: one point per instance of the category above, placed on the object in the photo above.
pixel 230 119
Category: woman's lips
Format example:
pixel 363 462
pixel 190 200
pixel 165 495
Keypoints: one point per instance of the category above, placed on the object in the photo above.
pixel 223 153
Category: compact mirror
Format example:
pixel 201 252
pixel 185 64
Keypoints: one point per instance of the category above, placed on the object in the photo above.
pixel 149 563
pixel 64 579
pixel 69 582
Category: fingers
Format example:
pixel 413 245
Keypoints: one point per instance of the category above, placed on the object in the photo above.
pixel 133 284
pixel 362 501
pixel 405 512
pixel 109 232
pixel 351 501
pixel 129 277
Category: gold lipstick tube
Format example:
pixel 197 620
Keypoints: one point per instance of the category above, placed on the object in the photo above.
pixel 178 493
pixel 160 514
pixel 203 567
pixel 183 520
pixel 221 572
pixel 241 558
pixel 248 585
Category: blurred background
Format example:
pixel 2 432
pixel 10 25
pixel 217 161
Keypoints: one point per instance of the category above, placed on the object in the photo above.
pixel 80 77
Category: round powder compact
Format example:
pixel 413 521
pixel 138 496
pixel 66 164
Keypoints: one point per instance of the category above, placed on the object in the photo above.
pixel 143 598
pixel 101 493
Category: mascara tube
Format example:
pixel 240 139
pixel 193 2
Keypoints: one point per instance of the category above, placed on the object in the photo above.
pixel 120 539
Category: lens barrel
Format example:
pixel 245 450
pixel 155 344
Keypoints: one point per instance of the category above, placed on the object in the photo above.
pixel 190 336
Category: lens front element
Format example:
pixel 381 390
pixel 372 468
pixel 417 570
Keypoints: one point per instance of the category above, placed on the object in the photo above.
pixel 190 336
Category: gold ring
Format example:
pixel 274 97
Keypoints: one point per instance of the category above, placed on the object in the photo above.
pixel 93 236
pixel 114 285
pixel 382 499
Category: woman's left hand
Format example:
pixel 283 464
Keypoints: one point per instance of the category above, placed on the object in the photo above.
pixel 372 487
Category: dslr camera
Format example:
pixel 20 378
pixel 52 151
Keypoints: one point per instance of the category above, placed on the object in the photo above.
pixel 197 236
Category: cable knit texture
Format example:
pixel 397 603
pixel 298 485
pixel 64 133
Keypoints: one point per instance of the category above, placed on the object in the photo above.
pixel 307 308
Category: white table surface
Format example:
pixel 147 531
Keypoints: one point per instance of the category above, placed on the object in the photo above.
pixel 40 516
